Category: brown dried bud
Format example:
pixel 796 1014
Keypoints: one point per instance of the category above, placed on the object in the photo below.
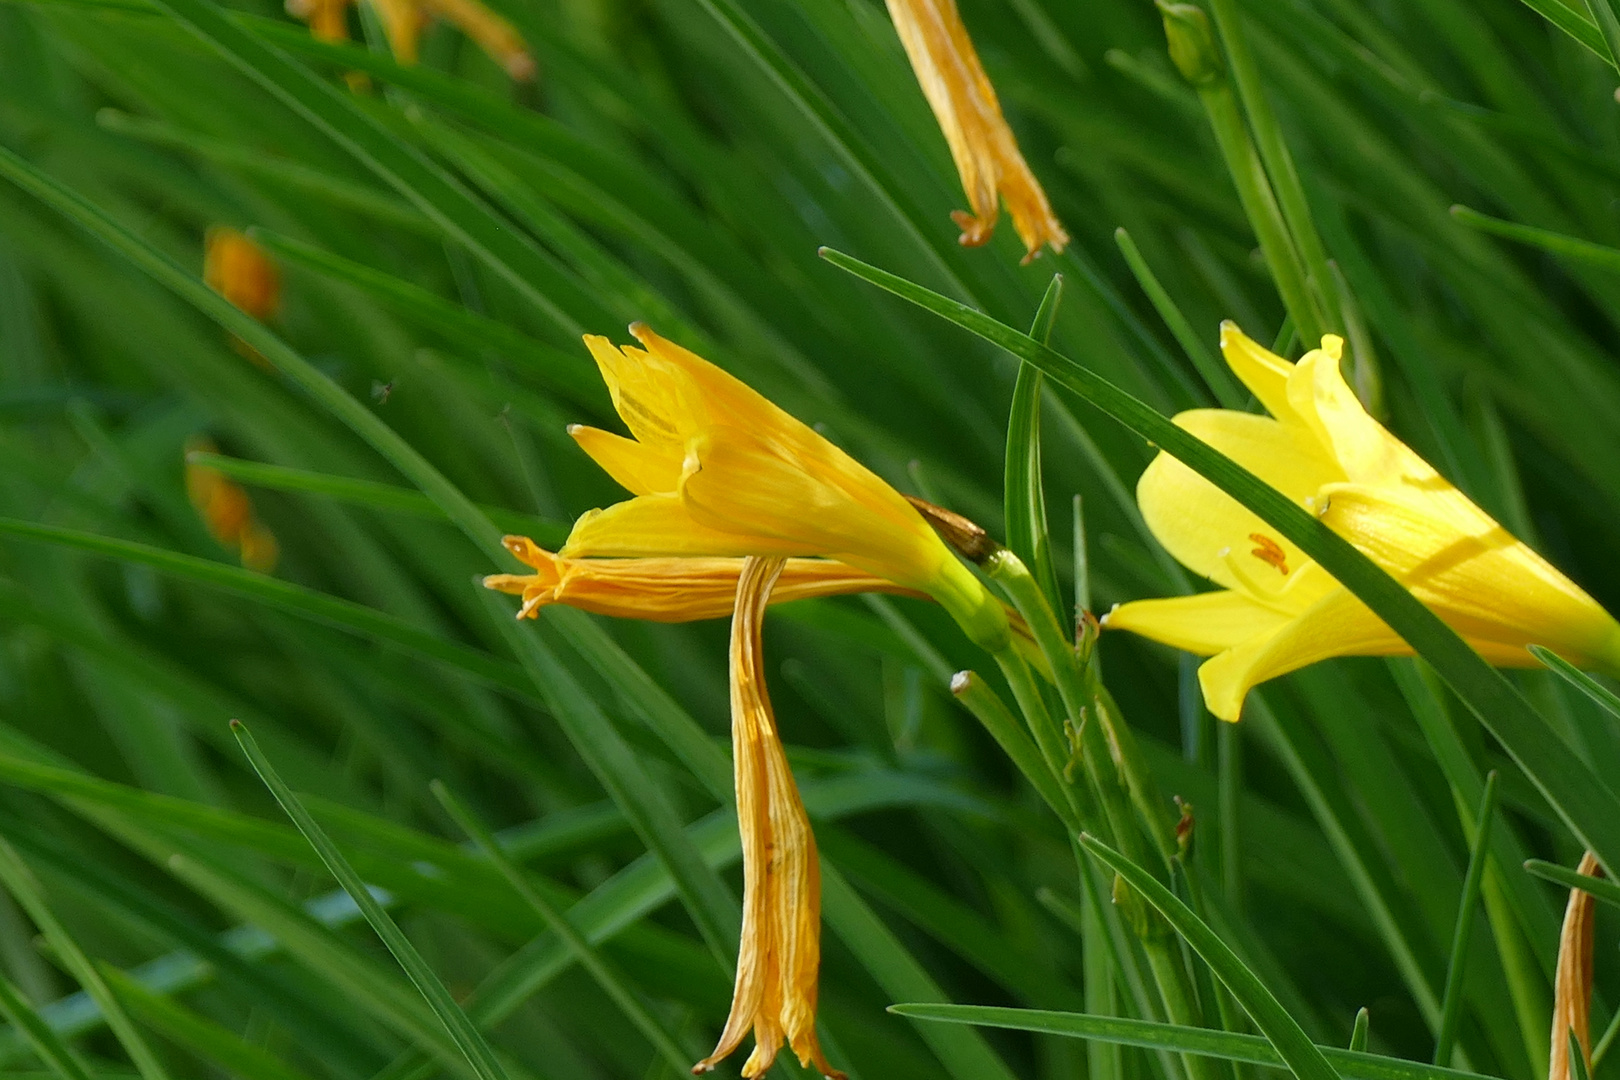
pixel 967 537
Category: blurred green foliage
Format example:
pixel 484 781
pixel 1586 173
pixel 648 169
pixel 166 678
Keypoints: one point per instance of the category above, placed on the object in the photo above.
pixel 679 161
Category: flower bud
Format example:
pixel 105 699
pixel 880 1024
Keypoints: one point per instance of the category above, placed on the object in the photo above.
pixel 1192 43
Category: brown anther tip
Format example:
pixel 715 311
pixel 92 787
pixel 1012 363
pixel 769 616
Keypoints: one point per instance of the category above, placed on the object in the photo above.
pixel 963 534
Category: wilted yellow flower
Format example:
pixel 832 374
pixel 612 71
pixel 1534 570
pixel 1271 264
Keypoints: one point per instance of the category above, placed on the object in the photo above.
pixel 665 589
pixel 1572 983
pixel 404 20
pixel 241 272
pixel 228 512
pixel 780 959
pixel 969 116
pixel 1280 611
pixel 717 470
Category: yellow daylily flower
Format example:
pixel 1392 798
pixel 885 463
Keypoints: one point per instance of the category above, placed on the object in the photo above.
pixel 717 470
pixel 404 20
pixel 1279 611
pixel 665 589
pixel 228 512
pixel 969 115
pixel 780 959
pixel 241 272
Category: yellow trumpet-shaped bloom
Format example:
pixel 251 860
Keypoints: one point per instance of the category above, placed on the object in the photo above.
pixel 969 115
pixel 665 589
pixel 717 470
pixel 1279 611
pixel 227 512
pixel 780 959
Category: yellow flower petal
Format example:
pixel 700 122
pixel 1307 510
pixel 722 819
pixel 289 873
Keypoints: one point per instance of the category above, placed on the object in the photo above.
pixel 1257 367
pixel 777 966
pixel 652 525
pixel 665 589
pixel 1485 583
pixel 637 467
pixel 969 116
pixel 1337 625
pixel 1202 624
pixel 1196 521
pixel 1365 451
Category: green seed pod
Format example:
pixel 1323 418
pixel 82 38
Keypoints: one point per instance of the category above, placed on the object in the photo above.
pixel 1192 43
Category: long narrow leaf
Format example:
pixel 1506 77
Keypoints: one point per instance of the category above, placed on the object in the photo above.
pixel 1587 805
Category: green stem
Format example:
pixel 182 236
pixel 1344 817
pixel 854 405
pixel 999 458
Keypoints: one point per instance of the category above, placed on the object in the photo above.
pixel 1049 736
pixel 987 707
pixel 1604 14
pixel 1451 1008
pixel 1279 166
pixel 1260 206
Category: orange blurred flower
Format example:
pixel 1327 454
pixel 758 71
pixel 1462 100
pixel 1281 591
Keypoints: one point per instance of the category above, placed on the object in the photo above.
pixel 227 511
pixel 964 103
pixel 404 20
pixel 241 272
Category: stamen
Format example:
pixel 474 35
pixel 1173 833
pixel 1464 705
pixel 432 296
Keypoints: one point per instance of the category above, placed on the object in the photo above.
pixel 1270 552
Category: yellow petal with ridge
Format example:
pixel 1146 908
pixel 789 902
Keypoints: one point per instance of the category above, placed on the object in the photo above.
pixel 652 525
pixel 1202 624
pixel 638 467
pixel 1473 572
pixel 1257 367
pixel 1196 521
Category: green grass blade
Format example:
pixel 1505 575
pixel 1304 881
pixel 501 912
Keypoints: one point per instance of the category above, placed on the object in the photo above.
pixel 1252 1049
pixel 1604 890
pixel 1025 493
pixel 202 1036
pixel 340 193
pixel 1302 1056
pixel 1451 1002
pixel 19 880
pixel 572 374
pixel 615 765
pixel 468 1039
pixel 611 982
pixel 286 596
pixel 1605 698
pixel 389 498
pixel 55 1054
pixel 1359 1033
pixel 901 976
pixel 1214 373
pixel 1585 803
pixel 432 190
pixel 1599 255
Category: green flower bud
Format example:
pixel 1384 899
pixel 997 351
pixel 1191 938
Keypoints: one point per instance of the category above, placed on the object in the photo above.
pixel 1192 43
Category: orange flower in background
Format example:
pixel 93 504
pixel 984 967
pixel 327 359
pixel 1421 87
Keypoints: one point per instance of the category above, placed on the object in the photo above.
pixel 228 512
pixel 241 272
pixel 665 589
pixel 404 20
pixel 778 965
pixel 969 115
